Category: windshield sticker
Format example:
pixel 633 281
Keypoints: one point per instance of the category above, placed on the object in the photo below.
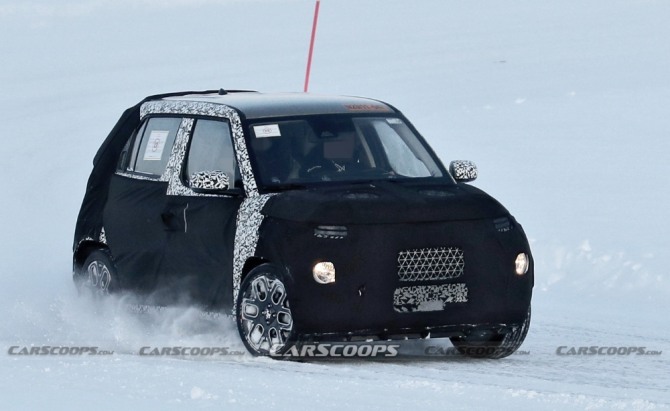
pixel 267 130
pixel 366 107
pixel 394 121
pixel 155 145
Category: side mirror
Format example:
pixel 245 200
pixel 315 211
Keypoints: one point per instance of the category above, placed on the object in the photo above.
pixel 209 182
pixel 463 171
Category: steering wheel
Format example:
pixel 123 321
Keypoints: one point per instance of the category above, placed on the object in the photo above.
pixel 324 168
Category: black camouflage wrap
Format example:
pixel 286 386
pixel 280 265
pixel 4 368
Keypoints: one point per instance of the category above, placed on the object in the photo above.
pixel 411 257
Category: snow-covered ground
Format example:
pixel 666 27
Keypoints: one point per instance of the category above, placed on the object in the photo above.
pixel 563 105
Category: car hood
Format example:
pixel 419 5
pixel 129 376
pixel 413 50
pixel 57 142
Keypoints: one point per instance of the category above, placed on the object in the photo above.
pixel 384 202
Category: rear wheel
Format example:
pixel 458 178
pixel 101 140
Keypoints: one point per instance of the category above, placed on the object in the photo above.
pixel 264 318
pixel 493 345
pixel 98 275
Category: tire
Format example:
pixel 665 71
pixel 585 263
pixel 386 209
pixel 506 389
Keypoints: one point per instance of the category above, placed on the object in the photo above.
pixel 493 346
pixel 264 318
pixel 98 275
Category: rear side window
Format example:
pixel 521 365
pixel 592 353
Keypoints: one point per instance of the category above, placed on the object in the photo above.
pixel 152 146
pixel 212 150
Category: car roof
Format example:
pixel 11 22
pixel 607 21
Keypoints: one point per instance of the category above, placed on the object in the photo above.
pixel 255 105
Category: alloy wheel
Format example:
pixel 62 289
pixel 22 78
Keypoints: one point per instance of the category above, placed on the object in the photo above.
pixel 266 322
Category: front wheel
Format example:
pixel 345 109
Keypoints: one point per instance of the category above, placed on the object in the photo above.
pixel 493 346
pixel 264 318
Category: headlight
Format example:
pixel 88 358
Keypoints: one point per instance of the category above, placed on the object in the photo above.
pixel 324 272
pixel 522 263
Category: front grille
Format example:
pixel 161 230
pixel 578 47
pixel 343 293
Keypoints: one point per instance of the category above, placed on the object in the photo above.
pixel 429 264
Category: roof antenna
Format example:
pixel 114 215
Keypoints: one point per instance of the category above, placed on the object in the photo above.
pixel 222 92
pixel 311 45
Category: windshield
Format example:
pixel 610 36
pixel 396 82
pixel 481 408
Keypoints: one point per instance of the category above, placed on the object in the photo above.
pixel 338 148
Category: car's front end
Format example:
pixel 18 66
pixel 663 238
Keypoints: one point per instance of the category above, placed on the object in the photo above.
pixel 400 259
pixel 377 239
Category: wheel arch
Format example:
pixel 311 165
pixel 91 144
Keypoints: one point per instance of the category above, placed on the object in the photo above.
pixel 83 250
pixel 251 263
pixel 256 261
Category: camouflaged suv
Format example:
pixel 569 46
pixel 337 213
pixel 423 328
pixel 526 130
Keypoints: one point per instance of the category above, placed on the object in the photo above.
pixel 306 217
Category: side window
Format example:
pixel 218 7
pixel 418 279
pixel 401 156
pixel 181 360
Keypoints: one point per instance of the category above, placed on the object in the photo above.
pixel 212 150
pixel 152 146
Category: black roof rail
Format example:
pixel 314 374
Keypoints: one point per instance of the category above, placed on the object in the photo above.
pixel 224 92
pixel 220 91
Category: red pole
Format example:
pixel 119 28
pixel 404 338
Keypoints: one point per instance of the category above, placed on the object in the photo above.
pixel 311 45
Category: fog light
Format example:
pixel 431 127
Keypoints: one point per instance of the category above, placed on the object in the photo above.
pixel 522 263
pixel 324 272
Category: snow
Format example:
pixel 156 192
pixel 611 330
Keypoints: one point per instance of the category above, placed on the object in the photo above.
pixel 563 106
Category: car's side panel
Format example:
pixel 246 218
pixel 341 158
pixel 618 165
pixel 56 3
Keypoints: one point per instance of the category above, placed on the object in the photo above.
pixel 248 218
pixel 199 249
pixel 170 240
pixel 134 229
pixel 200 239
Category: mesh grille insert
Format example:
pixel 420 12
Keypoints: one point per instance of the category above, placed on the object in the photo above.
pixel 428 264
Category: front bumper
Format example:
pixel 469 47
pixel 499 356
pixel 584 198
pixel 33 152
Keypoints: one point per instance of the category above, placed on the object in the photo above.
pixel 371 298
